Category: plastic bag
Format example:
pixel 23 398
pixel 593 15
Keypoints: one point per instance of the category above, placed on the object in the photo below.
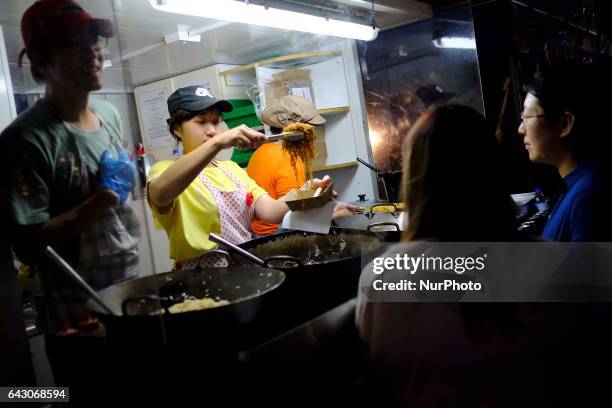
pixel 253 91
pixel 118 175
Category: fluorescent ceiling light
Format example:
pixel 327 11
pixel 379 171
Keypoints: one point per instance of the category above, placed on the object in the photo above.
pixel 242 12
pixel 455 42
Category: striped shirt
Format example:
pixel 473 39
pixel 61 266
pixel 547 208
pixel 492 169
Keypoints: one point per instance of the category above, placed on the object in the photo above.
pixel 52 167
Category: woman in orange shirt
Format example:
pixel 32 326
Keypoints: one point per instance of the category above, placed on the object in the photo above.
pixel 271 167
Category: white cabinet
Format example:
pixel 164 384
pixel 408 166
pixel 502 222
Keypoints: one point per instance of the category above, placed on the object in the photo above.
pixel 154 247
pixel 152 111
pixel 152 108
pixel 209 77
pixel 338 95
pixel 159 244
pixel 145 265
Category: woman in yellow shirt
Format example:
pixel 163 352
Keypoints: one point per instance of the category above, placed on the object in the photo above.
pixel 195 194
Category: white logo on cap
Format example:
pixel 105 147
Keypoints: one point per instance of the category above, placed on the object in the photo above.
pixel 203 92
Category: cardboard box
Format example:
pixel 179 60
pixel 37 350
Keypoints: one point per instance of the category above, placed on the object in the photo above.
pixel 320 147
pixel 275 90
pixel 299 200
pixel 290 82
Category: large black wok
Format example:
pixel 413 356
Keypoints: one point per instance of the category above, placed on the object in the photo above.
pixel 322 269
pixel 139 306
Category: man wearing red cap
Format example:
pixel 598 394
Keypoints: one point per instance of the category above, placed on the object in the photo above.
pixel 64 187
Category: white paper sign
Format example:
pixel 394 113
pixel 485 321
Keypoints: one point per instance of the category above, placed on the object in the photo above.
pixel 154 112
pixel 205 85
pixel 315 220
pixel 304 92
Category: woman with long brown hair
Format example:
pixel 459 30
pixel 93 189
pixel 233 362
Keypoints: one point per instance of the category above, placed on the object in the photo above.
pixel 453 181
pixel 467 354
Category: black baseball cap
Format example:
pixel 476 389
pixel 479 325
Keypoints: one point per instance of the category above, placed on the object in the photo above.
pixel 196 99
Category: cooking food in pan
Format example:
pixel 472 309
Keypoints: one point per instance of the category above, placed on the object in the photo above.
pixel 303 148
pixel 191 304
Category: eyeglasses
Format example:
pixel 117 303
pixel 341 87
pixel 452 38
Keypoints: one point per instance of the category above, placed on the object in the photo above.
pixel 523 117
pixel 99 44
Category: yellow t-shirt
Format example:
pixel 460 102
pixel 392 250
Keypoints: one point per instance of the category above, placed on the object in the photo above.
pixel 194 214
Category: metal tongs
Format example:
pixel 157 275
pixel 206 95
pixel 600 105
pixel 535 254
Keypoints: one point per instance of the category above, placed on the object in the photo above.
pixel 293 136
pixel 236 249
pixel 378 174
pixel 289 261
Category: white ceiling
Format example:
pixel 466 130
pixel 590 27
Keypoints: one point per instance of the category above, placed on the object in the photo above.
pixel 138 25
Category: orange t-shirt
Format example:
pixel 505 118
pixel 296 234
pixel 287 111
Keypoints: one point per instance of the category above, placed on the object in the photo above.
pixel 271 168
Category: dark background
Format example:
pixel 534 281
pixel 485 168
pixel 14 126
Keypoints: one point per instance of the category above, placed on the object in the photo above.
pixel 514 39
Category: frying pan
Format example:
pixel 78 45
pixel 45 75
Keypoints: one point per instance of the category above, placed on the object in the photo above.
pixel 138 308
pixel 322 269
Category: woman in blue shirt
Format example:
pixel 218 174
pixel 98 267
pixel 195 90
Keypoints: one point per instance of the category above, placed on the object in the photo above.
pixel 559 127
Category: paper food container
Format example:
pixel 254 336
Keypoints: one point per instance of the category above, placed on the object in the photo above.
pixel 306 199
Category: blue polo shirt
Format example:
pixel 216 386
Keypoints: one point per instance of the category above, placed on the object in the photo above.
pixel 577 217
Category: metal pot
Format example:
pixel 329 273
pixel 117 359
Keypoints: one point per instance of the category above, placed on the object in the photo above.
pixel 382 218
pixel 322 270
pixel 140 305
pixel 389 230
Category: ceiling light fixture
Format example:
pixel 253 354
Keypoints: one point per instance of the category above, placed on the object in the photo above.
pixel 267 16
pixel 455 42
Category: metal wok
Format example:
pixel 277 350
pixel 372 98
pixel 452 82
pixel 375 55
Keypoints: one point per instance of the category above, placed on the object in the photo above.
pixel 322 269
pixel 139 306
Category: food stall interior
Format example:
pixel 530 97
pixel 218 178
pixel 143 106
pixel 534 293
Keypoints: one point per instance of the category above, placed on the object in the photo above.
pixel 294 317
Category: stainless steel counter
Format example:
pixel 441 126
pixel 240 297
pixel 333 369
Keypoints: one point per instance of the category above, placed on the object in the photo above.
pixel 391 221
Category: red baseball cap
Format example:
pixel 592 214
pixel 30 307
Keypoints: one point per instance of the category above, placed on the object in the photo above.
pixel 58 23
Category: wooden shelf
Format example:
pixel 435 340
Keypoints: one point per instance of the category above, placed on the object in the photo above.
pixel 336 166
pixel 237 70
pixel 299 60
pixel 331 111
pixel 292 61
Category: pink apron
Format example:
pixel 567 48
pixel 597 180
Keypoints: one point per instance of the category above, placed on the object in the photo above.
pixel 236 211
